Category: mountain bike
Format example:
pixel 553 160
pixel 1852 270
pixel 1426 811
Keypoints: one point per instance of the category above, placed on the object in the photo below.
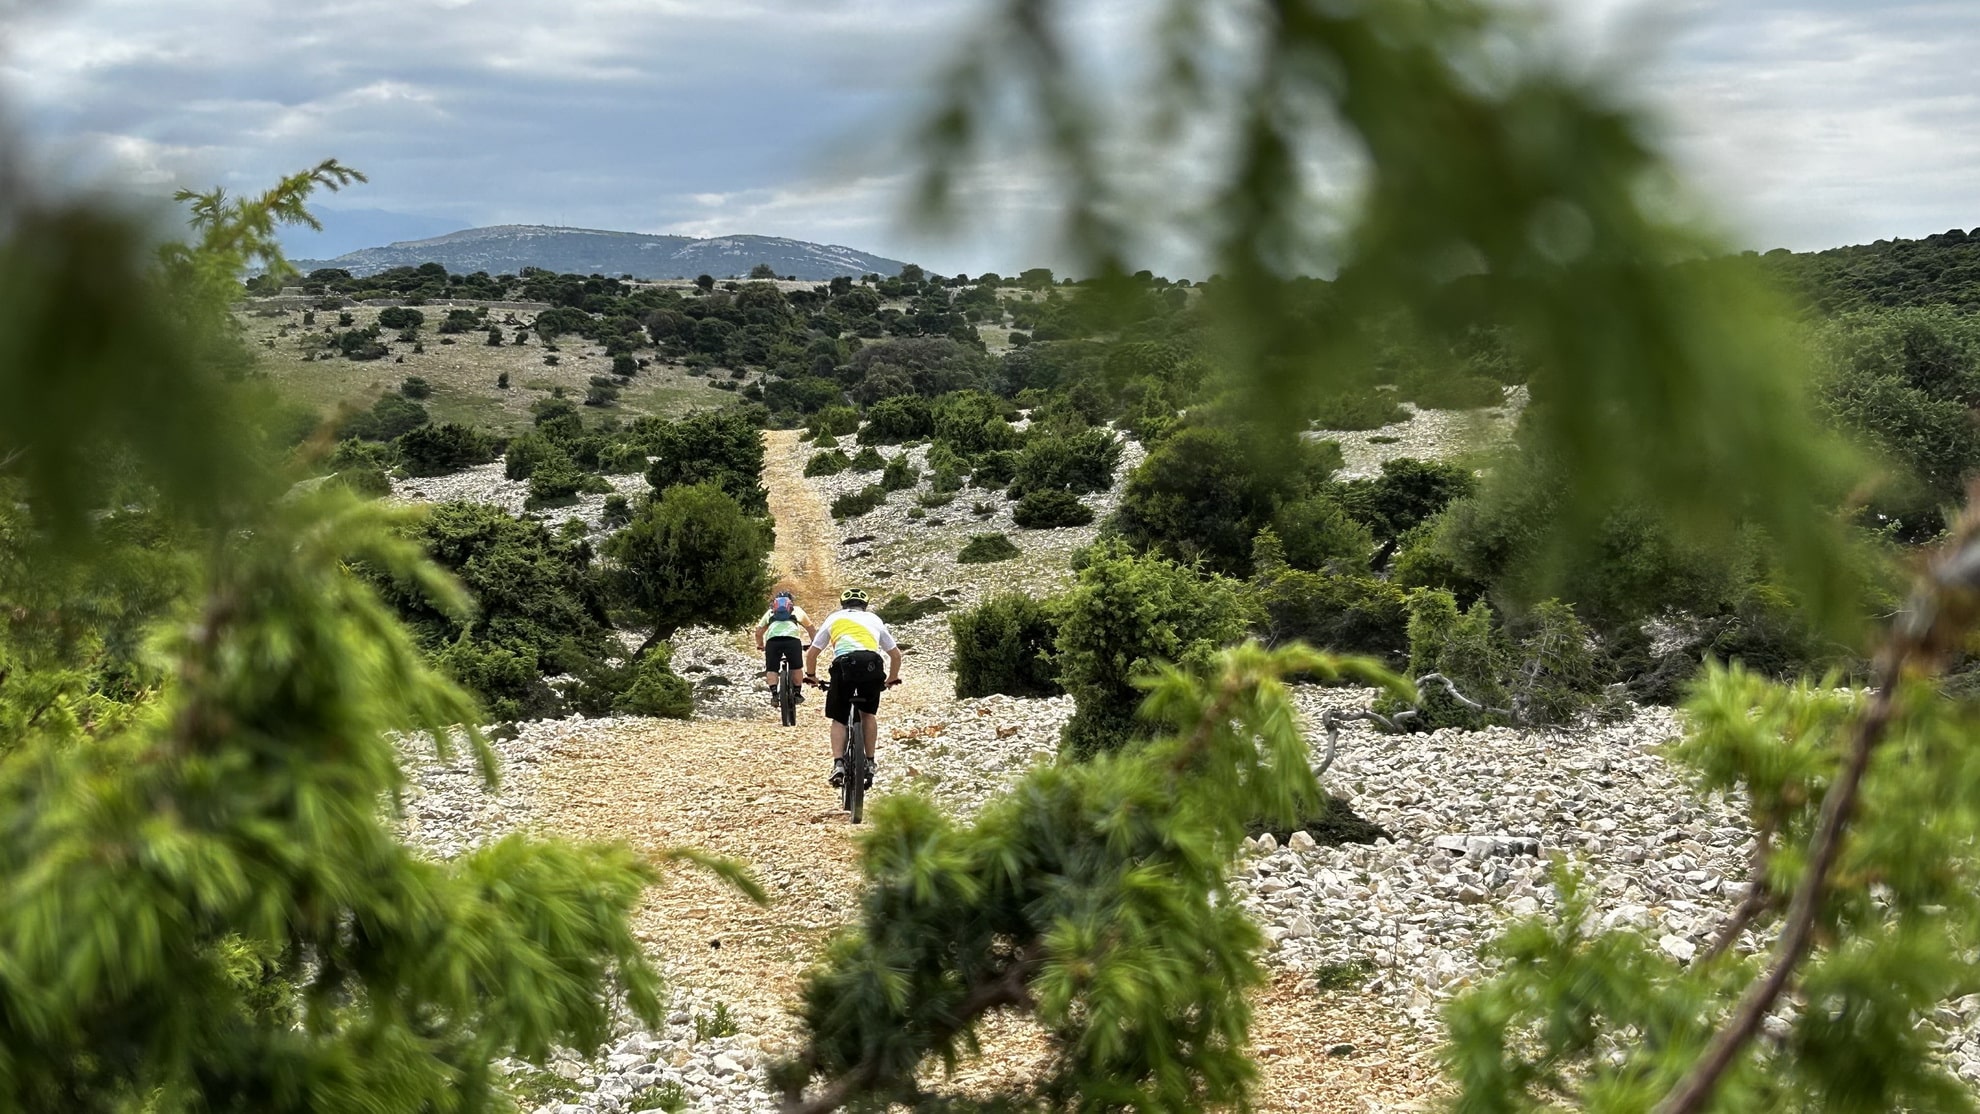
pixel 852 794
pixel 787 694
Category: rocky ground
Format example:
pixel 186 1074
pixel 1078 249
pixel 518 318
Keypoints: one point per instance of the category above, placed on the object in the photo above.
pixel 1366 941
pixel 1425 435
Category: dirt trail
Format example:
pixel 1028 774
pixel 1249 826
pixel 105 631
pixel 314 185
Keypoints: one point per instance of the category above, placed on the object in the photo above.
pixel 802 559
pixel 756 792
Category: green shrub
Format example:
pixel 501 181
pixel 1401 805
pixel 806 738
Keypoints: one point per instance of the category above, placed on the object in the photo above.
pixel 827 463
pixel 437 450
pixel 1045 510
pixel 557 478
pixel 933 499
pixel 617 511
pixel 372 483
pixel 1463 646
pixel 995 469
pixel 826 441
pixel 900 609
pixel 984 549
pixel 690 555
pixel 507 683
pixel 1554 674
pixel 1456 392
pixel 868 459
pixel 523 453
pixel 1407 493
pixel 900 474
pixel 1006 645
pixel 1318 534
pixel 722 447
pixel 655 689
pixel 400 317
pixel 891 421
pixel 415 387
pixel 1081 462
pixel 537 599
pixel 1206 491
pixel 856 503
pixel 1358 410
pixel 1125 613
pixel 388 418
pixel 622 458
pixel 1347 614
pixel 832 422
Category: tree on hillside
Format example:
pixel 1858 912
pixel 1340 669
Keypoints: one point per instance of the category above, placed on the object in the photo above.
pixel 763 271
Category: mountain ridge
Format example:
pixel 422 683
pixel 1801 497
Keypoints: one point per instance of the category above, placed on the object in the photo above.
pixel 508 248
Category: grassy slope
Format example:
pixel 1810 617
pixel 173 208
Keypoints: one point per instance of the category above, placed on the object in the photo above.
pixel 463 374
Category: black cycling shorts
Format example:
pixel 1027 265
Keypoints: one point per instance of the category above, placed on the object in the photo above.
pixel 784 648
pixel 857 679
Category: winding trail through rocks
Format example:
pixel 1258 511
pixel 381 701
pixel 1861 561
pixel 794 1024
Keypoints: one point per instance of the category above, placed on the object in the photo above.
pixel 755 791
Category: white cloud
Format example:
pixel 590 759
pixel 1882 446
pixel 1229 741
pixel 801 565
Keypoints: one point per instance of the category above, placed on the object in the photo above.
pixel 1812 121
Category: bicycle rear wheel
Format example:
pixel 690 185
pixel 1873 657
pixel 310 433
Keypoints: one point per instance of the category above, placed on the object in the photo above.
pixel 855 789
pixel 786 695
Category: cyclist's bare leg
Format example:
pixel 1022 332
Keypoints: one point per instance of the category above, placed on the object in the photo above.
pixel 872 734
pixel 839 739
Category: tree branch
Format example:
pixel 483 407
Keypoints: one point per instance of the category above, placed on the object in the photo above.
pixel 1939 612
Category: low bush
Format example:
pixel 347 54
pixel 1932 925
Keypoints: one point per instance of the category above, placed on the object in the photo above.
pixel 557 478
pixel 900 474
pixel 1349 614
pixel 432 450
pixel 986 548
pixel 415 387
pixel 1358 410
pixel 1045 510
pixel 1127 612
pixel 617 512
pixel 655 689
pixel 891 421
pixel 1456 392
pixel 1006 645
pixel 833 421
pixel 388 418
pixel 856 503
pixel 868 459
pixel 994 469
pixel 507 683
pixel 622 458
pixel 900 608
pixel 827 463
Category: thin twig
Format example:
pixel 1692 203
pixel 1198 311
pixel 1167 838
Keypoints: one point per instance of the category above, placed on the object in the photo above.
pixel 1759 896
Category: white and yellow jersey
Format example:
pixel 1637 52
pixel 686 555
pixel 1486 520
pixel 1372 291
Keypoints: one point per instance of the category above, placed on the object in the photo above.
pixel 850 630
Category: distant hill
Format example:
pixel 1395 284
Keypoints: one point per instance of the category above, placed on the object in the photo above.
pixel 508 248
pixel 1942 269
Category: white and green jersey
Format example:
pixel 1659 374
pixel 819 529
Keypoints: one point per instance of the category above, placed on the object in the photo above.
pixel 849 630
pixel 790 628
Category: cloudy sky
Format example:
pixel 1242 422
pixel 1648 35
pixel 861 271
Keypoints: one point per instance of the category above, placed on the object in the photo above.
pixel 1809 123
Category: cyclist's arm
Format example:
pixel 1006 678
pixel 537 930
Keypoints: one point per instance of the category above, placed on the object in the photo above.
pixel 894 665
pixel 810 628
pixel 760 628
pixel 811 662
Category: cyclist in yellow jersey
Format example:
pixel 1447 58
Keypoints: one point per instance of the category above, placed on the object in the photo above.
pixel 856 638
pixel 781 624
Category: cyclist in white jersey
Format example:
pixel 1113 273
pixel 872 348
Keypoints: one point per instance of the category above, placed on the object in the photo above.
pixel 777 637
pixel 856 638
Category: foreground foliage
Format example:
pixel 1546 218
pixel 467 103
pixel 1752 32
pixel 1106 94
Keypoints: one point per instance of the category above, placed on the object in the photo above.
pixel 209 905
